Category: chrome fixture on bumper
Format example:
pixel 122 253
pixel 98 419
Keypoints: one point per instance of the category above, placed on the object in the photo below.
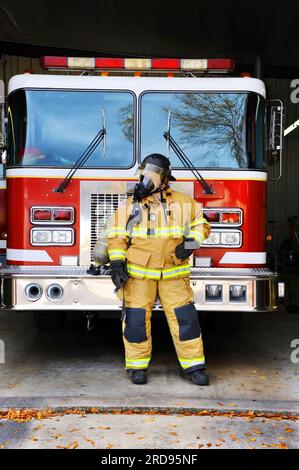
pixel 71 288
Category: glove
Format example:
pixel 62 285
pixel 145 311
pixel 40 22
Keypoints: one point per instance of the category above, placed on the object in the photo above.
pixel 119 273
pixel 140 192
pixel 94 270
pixel 183 253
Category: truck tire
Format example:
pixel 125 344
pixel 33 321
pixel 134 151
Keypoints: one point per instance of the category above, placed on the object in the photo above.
pixel 50 321
pixel 224 321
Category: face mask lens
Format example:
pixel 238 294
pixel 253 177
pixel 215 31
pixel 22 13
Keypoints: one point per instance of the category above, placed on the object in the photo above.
pixel 148 183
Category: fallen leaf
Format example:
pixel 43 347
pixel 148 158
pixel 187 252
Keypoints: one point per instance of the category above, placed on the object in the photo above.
pixel 56 436
pixel 209 444
pixel 220 439
pixel 89 440
pixel 94 410
pixel 289 430
pixel 74 430
pixel 200 446
pixel 141 437
pixel 74 445
pixel 103 427
pixel 248 433
pixel 71 445
pixel 282 445
pixel 256 430
pixel 129 433
pixel 109 446
pixel 33 438
pixel 173 433
pixel 252 439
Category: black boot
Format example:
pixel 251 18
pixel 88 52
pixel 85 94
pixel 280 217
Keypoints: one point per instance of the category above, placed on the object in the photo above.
pixel 138 376
pixel 198 377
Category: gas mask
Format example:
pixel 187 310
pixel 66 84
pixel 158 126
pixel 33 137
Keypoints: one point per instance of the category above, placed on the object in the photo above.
pixel 152 178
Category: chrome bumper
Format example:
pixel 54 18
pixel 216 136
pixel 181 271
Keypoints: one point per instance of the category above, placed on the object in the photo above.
pixel 84 292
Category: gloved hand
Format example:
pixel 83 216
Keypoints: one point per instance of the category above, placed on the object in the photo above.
pixel 183 253
pixel 119 273
pixel 140 191
pixel 94 270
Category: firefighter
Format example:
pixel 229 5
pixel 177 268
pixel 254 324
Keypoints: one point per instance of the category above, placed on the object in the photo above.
pixel 150 240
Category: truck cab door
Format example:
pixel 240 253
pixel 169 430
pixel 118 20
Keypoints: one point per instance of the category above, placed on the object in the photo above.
pixel 2 176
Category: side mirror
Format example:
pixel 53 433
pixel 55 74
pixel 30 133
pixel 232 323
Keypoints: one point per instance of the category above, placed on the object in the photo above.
pixel 276 135
pixel 4 157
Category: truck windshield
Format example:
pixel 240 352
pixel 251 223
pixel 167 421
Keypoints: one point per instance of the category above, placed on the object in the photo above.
pixel 215 130
pixel 53 128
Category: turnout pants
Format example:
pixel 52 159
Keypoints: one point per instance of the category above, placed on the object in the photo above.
pixel 176 297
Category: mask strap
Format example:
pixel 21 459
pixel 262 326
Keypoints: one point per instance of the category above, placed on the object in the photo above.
pixel 163 204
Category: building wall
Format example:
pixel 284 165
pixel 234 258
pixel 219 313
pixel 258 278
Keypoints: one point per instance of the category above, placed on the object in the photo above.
pixel 283 195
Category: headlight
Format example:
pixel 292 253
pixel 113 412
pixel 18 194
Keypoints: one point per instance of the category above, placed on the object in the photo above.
pixel 52 236
pixel 41 237
pixel 230 238
pixel 62 236
pixel 213 239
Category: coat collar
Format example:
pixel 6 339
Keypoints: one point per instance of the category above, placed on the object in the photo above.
pixel 167 195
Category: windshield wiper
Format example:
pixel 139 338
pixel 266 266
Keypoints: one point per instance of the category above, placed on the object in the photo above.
pixel 101 135
pixel 187 162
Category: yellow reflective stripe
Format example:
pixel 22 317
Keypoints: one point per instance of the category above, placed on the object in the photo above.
pixel 199 221
pixel 176 274
pixel 117 230
pixel 117 254
pixel 172 228
pixel 176 271
pixel 143 272
pixel 158 231
pixel 198 236
pixel 181 270
pixel 186 363
pixel 137 363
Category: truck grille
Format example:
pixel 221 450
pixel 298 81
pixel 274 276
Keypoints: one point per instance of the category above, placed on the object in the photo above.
pixel 102 206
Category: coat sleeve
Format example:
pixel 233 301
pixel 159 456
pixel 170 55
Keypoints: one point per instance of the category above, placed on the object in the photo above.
pixel 199 228
pixel 117 234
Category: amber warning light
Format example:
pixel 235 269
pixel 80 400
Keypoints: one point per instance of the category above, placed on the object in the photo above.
pixel 104 63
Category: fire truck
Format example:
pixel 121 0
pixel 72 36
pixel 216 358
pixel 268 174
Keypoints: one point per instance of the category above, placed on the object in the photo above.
pixel 72 147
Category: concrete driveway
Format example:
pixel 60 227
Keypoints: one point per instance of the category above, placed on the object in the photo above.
pixel 254 371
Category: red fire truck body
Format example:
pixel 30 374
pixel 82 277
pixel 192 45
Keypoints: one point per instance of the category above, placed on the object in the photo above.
pixel 50 234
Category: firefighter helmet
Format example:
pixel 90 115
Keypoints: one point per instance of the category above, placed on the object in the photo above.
pixel 160 162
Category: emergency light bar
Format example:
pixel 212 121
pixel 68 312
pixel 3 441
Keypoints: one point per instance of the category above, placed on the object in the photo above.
pixel 100 63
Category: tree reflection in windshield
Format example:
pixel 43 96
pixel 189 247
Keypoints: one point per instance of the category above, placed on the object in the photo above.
pixel 211 119
pixel 126 121
pixel 210 127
